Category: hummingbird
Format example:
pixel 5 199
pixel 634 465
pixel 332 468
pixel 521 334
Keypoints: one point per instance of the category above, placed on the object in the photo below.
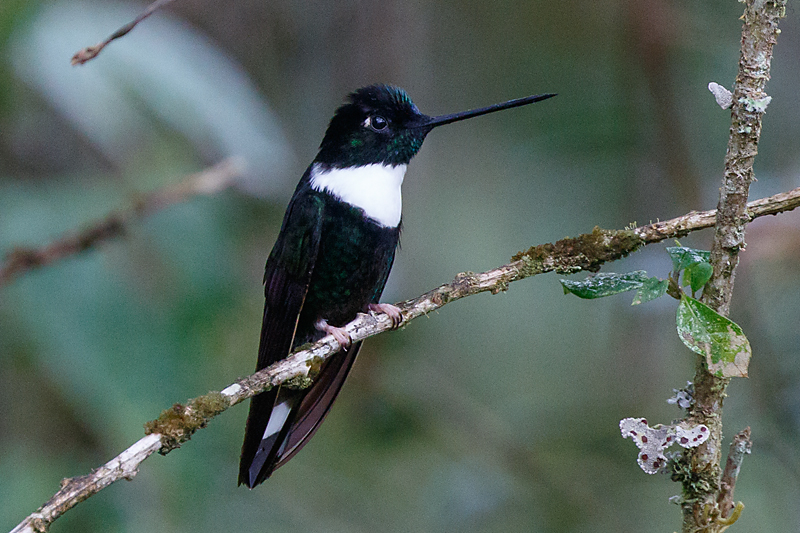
pixel 332 258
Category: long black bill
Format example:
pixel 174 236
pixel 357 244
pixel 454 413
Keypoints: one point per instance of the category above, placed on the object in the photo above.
pixel 432 122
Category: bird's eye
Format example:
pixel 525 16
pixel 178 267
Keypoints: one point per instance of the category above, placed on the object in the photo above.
pixel 377 123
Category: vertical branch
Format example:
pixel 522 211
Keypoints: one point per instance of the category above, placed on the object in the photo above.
pixel 759 34
pixel 739 448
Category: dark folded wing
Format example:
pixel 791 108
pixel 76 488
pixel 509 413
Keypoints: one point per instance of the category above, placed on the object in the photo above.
pixel 286 281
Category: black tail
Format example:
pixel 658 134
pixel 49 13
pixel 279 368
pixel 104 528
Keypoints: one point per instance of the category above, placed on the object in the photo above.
pixel 281 421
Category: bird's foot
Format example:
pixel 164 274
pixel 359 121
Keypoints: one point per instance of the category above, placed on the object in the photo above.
pixel 340 334
pixel 392 311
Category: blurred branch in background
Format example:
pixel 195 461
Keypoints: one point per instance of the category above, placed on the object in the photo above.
pixel 195 102
pixel 209 181
pixel 177 424
pixel 90 52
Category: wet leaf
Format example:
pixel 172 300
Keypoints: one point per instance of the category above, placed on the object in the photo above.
pixel 708 333
pixel 683 257
pixel 651 289
pixel 697 275
pixel 605 284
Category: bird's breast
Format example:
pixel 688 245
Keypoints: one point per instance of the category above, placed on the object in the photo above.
pixel 354 260
pixel 374 188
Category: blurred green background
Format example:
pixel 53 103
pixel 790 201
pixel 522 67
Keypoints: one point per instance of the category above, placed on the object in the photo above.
pixel 498 413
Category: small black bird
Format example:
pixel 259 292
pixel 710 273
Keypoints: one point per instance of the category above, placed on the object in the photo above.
pixel 332 258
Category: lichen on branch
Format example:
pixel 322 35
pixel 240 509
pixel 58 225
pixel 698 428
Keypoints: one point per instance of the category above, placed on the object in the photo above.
pixel 701 509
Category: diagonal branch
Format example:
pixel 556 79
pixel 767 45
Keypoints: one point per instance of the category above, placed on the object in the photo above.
pixel 209 181
pixel 90 52
pixel 177 424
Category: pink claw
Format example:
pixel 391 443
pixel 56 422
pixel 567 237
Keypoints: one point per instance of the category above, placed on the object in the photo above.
pixel 392 311
pixel 340 334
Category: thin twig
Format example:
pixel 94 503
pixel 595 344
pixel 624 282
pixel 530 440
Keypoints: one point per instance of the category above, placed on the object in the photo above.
pixel 90 52
pixel 177 424
pixel 759 34
pixel 209 181
pixel 739 448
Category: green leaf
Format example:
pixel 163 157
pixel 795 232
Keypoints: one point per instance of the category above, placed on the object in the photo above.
pixel 708 333
pixel 651 289
pixel 683 257
pixel 697 275
pixel 605 284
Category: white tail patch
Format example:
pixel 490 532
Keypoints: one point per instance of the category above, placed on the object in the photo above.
pixel 277 419
pixel 374 188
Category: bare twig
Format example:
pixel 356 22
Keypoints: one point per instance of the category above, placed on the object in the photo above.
pixel 177 424
pixel 90 52
pixel 759 34
pixel 210 181
pixel 739 448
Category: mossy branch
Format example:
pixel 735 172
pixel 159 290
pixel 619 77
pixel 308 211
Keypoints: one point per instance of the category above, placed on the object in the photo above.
pixel 703 491
pixel 177 424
